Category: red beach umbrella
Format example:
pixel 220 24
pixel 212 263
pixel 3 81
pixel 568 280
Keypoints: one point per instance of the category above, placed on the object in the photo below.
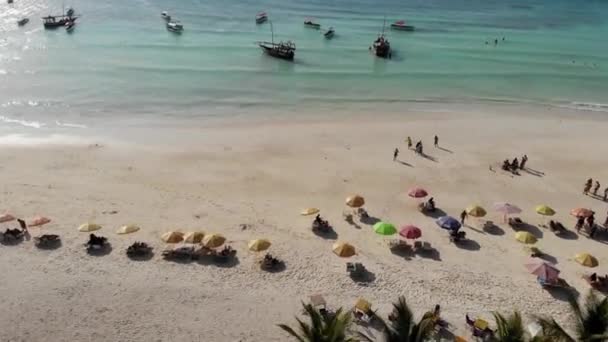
pixel 417 193
pixel 410 232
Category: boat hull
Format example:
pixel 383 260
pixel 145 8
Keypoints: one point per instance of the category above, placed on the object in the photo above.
pixel 313 25
pixel 261 20
pixel 329 34
pixel 288 56
pixel 403 28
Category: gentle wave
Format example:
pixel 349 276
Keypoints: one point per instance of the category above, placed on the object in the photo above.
pixel 25 123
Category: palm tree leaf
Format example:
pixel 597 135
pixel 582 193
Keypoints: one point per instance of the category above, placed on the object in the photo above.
pixel 289 330
pixel 553 331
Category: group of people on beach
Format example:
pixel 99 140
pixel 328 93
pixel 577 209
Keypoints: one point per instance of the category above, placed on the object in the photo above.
pixel 418 148
pixel 515 164
pixel 596 188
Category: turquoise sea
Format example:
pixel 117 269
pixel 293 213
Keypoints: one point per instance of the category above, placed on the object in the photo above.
pixel 122 65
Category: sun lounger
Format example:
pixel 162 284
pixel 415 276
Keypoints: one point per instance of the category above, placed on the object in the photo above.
pixel 426 247
pixel 515 222
pixel 398 245
pixel 557 284
pixel 348 217
pixel 362 312
pixel 225 254
pixel 599 284
pixel 139 250
pixel 47 241
pixel 534 252
pixel 270 263
pixel 356 270
pixel 11 236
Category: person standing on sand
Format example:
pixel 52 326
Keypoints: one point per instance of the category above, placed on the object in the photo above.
pixel 409 143
pixel 463 216
pixel 587 186
pixel 436 141
pixel 579 224
pixel 524 159
pixel 605 194
pixel 596 188
pixel 395 154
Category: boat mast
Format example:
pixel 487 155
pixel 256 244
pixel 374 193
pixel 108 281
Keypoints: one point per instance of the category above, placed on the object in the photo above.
pixel 271 32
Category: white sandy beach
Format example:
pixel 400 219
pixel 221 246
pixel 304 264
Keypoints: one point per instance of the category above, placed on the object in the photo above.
pixel 262 174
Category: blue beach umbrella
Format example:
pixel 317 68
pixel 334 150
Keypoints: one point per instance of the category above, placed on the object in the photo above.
pixel 448 222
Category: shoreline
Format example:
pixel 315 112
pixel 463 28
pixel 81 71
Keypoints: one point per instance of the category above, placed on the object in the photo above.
pixel 218 176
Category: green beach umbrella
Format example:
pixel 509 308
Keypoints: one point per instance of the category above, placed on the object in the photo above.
pixel 384 228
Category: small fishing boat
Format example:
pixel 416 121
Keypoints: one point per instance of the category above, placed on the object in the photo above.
pixel 401 26
pixel 55 21
pixel 381 46
pixel 70 25
pixel 329 34
pixel 261 17
pixel 165 15
pixel 23 21
pixel 281 50
pixel 70 12
pixel 311 24
pixel 175 26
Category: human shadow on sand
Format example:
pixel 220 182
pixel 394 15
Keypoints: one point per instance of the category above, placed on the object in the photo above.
pixel 534 172
pixel 568 235
pixel 363 277
pixel 494 230
pixel 548 258
pixel 563 294
pixel 407 254
pixel 445 149
pixel 404 163
pixel 468 244
pixel 432 254
pixel 428 156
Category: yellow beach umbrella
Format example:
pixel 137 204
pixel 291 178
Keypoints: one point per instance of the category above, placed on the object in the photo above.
pixel 355 201
pixel 525 237
pixel 476 211
pixel 130 228
pixel 309 211
pixel 545 210
pixel 343 249
pixel 89 227
pixel 194 237
pixel 258 245
pixel 213 240
pixel 363 305
pixel 172 237
pixel 586 259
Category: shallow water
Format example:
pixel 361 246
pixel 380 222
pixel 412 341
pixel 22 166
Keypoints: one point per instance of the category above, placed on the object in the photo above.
pixel 122 65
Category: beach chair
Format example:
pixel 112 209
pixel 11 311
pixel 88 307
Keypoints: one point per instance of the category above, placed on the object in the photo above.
pixel 515 223
pixel 426 247
pixel 348 217
pixel 356 270
pixel 398 245
pixel 418 245
pixel 362 312
pixel 534 252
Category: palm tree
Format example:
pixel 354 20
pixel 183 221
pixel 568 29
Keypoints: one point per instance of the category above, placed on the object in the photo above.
pixel 591 321
pixel 402 328
pixel 322 328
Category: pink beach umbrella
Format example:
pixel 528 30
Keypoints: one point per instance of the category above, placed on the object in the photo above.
pixel 417 193
pixel 410 232
pixel 6 217
pixel 38 221
pixel 543 270
pixel 506 209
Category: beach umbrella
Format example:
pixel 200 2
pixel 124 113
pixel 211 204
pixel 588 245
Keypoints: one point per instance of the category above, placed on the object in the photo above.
pixel 6 217
pixel 410 232
pixel 384 228
pixel 417 193
pixel 309 211
pixel 476 211
pixel 355 201
pixel 194 237
pixel 363 305
pixel 586 259
pixel 448 222
pixel 545 210
pixel 343 249
pixel 525 237
pixel 38 221
pixel 172 237
pixel 258 245
pixel 506 208
pixel 213 240
pixel 543 270
pixel 127 229
pixel 581 212
pixel 89 227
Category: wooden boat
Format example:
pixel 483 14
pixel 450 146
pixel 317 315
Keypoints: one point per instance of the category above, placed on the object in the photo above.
pixel 55 21
pixel 401 26
pixel 311 24
pixel 381 46
pixel 175 26
pixel 261 17
pixel 23 21
pixel 329 34
pixel 281 50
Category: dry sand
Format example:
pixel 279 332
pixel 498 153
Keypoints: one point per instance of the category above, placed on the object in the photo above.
pixel 262 175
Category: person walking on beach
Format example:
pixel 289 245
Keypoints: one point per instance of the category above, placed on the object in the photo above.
pixel 605 194
pixel 395 154
pixel 524 159
pixel 409 143
pixel 591 220
pixel 587 186
pixel 463 216
pixel 436 141
pixel 579 224
pixel 596 188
